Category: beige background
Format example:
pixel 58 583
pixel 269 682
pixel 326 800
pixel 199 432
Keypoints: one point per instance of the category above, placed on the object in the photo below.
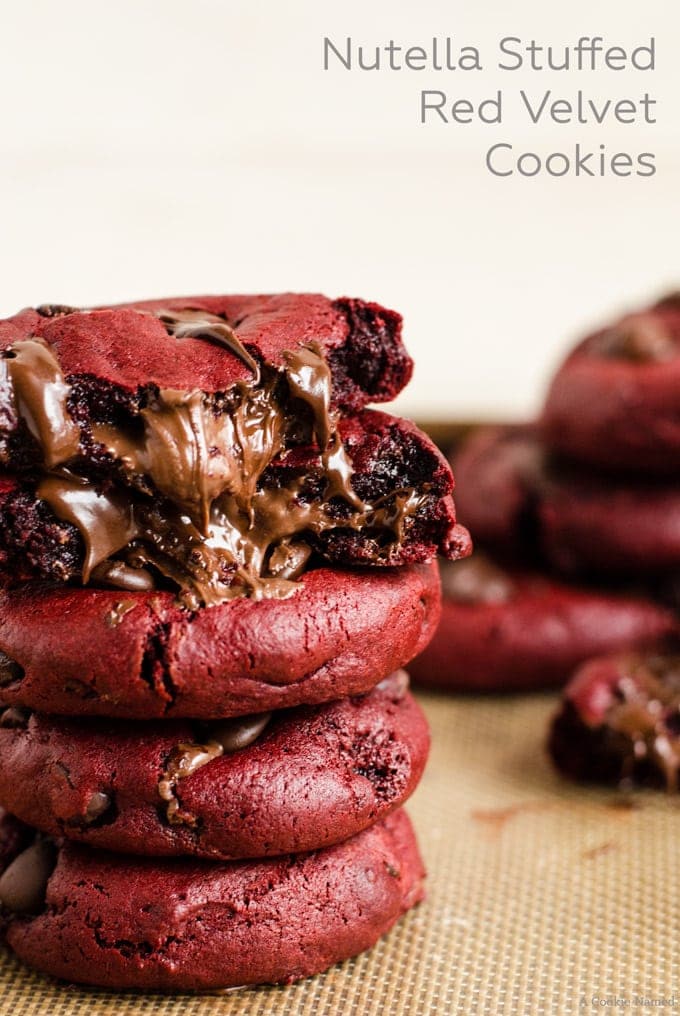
pixel 162 146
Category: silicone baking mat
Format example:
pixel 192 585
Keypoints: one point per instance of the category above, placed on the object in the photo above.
pixel 543 898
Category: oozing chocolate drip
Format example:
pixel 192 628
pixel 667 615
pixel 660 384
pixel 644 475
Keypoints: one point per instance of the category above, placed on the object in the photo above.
pixel 199 324
pixel 106 522
pixel 222 738
pixel 194 508
pixel 647 713
pixel 185 450
pixel 32 378
pixel 309 379
pixel 640 338
pixel 118 612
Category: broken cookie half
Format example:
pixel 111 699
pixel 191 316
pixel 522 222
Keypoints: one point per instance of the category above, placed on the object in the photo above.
pixel 214 454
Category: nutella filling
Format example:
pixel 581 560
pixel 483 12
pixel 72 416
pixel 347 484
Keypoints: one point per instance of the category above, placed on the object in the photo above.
pixel 119 611
pixel 105 522
pixel 199 324
pixel 647 713
pixel 222 738
pixel 117 575
pixel 195 508
pixel 97 806
pixel 39 393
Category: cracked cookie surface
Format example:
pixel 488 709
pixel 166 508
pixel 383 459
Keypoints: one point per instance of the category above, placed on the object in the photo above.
pixel 342 633
pixel 285 782
pixel 181 924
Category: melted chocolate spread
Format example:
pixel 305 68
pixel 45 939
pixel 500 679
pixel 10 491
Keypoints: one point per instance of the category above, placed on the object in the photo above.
pixel 202 518
pixel 647 713
pixel 221 738
pixel 39 392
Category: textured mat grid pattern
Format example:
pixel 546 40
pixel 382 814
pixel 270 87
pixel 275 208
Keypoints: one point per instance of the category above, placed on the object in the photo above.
pixel 542 898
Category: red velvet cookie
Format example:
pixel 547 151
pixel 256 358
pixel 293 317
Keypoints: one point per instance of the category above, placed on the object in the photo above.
pixel 185 925
pixel 524 507
pixel 509 630
pixel 496 470
pixel 255 787
pixel 615 400
pixel 620 722
pixel 138 655
pixel 123 349
pixel 199 445
pixel 591 524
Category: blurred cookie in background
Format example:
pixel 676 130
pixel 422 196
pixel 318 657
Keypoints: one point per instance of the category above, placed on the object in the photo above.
pixel 512 630
pixel 619 722
pixel 614 402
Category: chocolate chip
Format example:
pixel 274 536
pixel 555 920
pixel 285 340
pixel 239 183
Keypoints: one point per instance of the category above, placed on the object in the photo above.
pixel 75 687
pixel 23 884
pixel 396 685
pixel 121 576
pixel 118 612
pixel 98 804
pixel 50 310
pixel 640 338
pixel 288 560
pixel 239 732
pixel 14 717
pixel 10 670
pixel 475 580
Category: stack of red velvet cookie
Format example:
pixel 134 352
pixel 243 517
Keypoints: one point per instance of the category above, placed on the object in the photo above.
pixel 576 519
pixel 215 562
pixel 614 410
